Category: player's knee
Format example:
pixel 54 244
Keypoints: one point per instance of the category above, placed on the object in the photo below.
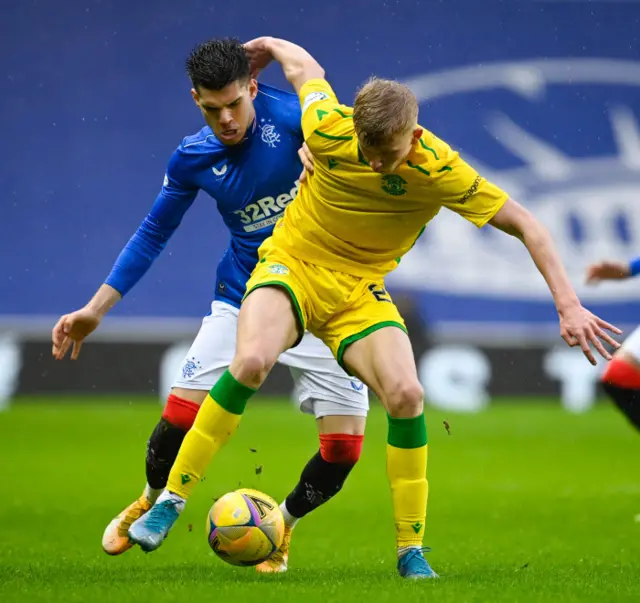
pixel 406 399
pixel 252 366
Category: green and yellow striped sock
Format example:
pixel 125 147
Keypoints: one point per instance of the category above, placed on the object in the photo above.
pixel 216 421
pixel 407 474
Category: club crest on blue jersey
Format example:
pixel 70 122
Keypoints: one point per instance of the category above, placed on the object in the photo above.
pixel 268 133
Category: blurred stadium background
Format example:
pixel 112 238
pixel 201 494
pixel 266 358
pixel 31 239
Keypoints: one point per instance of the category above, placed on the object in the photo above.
pixel 529 502
pixel 541 96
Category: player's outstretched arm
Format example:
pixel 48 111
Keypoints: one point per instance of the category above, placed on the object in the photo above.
pixel 72 329
pixel 134 260
pixel 609 270
pixel 298 65
pixel 578 326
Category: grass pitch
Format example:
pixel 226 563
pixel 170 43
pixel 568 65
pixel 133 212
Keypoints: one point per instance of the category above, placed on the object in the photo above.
pixel 527 503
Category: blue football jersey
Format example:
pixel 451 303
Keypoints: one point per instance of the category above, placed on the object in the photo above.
pixel 251 183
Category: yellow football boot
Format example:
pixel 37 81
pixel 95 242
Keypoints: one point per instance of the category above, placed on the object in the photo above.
pixel 277 563
pixel 115 540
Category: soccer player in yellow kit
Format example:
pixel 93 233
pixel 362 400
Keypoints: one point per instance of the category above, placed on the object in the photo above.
pixel 379 179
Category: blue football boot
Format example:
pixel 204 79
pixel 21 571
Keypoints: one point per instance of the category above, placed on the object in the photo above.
pixel 152 528
pixel 413 566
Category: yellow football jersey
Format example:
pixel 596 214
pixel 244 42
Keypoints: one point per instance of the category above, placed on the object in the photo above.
pixel 351 219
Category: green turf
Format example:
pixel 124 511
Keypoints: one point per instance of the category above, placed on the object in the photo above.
pixel 528 503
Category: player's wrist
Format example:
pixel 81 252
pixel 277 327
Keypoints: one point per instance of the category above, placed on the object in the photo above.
pixel 105 298
pixel 566 303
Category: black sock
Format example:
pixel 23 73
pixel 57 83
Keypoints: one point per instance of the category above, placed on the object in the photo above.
pixel 320 481
pixel 627 400
pixel 162 450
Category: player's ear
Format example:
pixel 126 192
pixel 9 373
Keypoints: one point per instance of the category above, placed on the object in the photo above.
pixel 417 133
pixel 253 88
pixel 195 96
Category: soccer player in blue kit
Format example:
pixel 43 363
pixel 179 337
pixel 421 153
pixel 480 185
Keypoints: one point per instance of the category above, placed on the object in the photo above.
pixel 246 159
pixel 621 378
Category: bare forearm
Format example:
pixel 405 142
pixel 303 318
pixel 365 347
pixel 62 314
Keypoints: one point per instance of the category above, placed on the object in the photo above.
pixel 543 251
pixel 298 65
pixel 515 220
pixel 578 326
pixel 105 298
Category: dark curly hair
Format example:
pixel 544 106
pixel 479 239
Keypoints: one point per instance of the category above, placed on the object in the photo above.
pixel 217 63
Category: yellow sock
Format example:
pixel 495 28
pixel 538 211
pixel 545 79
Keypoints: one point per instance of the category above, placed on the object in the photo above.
pixel 407 474
pixel 216 421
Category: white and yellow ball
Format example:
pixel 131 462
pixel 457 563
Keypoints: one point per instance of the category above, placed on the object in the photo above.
pixel 245 527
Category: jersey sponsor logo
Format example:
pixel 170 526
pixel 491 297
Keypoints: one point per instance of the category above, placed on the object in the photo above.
pixel 392 184
pixel 278 269
pixel 473 189
pixel 268 133
pixel 219 172
pixel 266 211
pixel 313 97
pixel 585 190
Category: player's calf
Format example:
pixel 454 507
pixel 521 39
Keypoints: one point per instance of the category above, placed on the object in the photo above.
pixel 621 381
pixel 321 479
pixel 162 448
pixel 324 475
pixel 177 418
pixel 384 361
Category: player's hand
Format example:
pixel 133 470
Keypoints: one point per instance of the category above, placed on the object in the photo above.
pixel 71 330
pixel 307 161
pixel 607 271
pixel 258 54
pixel 579 327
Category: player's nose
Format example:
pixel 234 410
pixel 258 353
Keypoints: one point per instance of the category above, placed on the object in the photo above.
pixel 226 117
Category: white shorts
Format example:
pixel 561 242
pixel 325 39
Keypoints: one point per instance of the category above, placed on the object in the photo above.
pixel 631 344
pixel 322 388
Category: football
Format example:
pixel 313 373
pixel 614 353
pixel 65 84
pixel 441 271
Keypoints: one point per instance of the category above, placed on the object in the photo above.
pixel 245 527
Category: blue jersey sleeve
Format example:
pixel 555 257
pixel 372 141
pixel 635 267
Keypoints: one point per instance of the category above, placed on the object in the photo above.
pixel 175 198
pixel 634 266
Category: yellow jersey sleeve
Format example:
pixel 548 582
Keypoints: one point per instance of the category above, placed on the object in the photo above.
pixel 462 190
pixel 317 100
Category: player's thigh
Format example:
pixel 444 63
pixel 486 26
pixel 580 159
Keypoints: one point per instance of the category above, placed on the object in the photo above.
pixel 370 340
pixel 271 317
pixel 323 388
pixel 209 355
pixel 384 360
pixel 630 349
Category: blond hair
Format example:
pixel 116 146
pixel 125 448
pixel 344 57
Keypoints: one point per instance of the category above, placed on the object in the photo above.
pixel 382 109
